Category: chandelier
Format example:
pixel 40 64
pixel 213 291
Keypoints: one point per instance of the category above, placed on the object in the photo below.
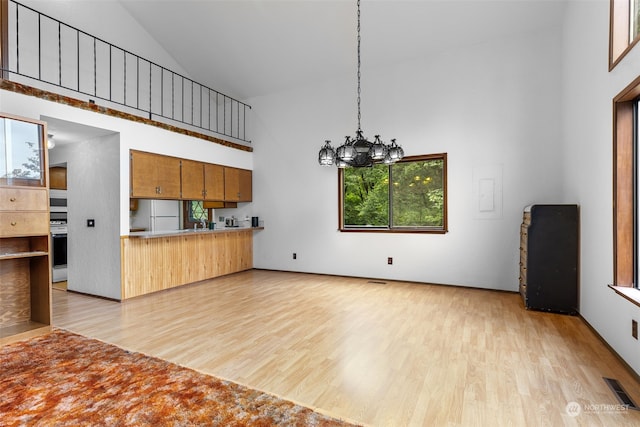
pixel 358 151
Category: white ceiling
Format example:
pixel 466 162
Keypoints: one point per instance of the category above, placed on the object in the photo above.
pixel 248 48
pixel 65 132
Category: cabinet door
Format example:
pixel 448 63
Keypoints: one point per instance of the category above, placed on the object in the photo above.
pixel 214 182
pixel 154 176
pixel 58 178
pixel 245 185
pixel 168 177
pixel 192 180
pixel 237 185
pixel 143 175
pixel 231 184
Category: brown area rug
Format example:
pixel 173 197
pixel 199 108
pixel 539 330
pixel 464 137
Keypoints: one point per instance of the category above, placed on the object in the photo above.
pixel 64 379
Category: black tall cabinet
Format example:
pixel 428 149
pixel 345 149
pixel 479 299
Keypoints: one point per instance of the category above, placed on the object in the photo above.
pixel 549 258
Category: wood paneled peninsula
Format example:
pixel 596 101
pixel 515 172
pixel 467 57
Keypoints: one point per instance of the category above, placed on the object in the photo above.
pixel 154 261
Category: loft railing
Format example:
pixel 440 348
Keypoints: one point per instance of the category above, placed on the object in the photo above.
pixel 43 49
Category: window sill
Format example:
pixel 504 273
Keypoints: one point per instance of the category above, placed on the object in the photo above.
pixel 392 230
pixel 630 294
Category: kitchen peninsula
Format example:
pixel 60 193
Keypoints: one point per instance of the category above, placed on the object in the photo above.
pixel 154 261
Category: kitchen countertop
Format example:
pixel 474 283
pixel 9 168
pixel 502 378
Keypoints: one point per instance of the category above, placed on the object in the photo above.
pixel 175 233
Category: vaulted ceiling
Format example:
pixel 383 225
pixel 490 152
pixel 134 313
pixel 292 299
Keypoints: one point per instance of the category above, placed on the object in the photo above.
pixel 248 48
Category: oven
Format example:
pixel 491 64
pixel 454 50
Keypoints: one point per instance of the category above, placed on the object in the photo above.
pixel 58 201
pixel 59 249
pixel 58 227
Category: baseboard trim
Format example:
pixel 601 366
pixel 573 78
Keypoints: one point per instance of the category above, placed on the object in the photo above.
pixel 635 374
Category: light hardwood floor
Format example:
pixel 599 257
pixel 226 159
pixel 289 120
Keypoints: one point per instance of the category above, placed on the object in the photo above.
pixel 395 354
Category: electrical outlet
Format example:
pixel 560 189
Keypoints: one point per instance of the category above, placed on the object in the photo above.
pixel 295 256
pixel 634 329
pixel 390 260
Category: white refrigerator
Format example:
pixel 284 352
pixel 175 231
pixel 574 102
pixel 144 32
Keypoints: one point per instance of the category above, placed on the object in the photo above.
pixel 157 215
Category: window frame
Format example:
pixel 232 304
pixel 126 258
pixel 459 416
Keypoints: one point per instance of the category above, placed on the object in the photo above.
pixel 625 187
pixel 186 214
pixel 620 42
pixel 390 229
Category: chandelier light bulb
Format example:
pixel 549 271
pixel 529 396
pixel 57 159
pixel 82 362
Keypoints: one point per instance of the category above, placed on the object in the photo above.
pixel 395 151
pixel 346 151
pixel 378 150
pixel 327 156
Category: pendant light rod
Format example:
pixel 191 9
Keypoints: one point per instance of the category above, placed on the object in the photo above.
pixel 359 74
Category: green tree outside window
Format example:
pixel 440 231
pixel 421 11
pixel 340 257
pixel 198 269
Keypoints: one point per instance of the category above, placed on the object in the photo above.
pixel 197 212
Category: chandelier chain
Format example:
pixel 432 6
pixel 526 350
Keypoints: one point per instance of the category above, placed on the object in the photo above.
pixel 359 128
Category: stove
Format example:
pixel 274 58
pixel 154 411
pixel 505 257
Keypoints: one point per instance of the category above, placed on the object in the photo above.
pixel 58 227
pixel 59 245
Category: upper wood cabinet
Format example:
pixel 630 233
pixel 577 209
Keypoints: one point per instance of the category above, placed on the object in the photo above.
pixel 202 181
pixel 58 178
pixel 154 176
pixel 237 185
pixel 213 182
pixel 192 180
pixel 246 185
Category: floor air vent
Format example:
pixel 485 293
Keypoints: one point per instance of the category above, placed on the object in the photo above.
pixel 621 394
pixel 378 282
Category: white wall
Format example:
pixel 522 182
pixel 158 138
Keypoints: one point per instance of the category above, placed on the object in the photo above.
pixel 492 106
pixel 588 90
pixel 93 188
pixel 109 21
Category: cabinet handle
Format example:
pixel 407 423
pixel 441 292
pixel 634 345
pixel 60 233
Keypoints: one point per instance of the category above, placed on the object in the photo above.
pixel 13 223
pixel 13 199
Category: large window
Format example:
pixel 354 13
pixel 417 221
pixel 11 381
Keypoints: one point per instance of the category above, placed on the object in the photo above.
pixel 408 196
